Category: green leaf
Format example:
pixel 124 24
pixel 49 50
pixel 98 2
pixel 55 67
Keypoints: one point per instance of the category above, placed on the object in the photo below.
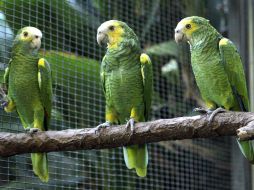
pixel 168 48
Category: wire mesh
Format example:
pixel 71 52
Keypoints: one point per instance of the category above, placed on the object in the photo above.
pixel 69 44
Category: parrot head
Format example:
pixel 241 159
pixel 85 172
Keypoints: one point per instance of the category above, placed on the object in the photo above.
pixel 30 37
pixel 189 26
pixel 113 32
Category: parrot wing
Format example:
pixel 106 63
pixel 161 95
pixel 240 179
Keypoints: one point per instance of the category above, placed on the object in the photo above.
pixel 4 85
pixel 102 74
pixel 234 69
pixel 147 75
pixel 6 75
pixel 45 85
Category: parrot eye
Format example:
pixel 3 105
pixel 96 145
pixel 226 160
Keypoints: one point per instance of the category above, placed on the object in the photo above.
pixel 188 26
pixel 36 37
pixel 111 28
pixel 25 34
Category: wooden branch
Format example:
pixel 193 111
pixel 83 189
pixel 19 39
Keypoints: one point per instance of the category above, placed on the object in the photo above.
pixel 224 124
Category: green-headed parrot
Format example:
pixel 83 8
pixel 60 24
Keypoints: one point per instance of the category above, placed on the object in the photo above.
pixel 29 86
pixel 127 80
pixel 218 70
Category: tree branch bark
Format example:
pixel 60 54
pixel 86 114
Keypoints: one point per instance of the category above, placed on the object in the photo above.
pixel 224 124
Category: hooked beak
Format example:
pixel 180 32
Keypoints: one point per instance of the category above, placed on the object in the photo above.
pixel 102 38
pixel 35 44
pixel 179 36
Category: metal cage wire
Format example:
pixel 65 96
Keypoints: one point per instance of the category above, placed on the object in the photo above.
pixel 69 44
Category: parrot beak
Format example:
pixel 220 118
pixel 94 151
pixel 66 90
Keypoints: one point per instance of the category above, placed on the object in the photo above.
pixel 102 38
pixel 35 43
pixel 179 36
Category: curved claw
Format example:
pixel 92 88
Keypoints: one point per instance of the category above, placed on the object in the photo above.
pixel 4 104
pixel 215 112
pixel 103 125
pixel 130 124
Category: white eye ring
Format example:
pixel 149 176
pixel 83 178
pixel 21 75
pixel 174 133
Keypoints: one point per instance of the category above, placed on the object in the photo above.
pixel 188 26
pixel 111 28
pixel 25 34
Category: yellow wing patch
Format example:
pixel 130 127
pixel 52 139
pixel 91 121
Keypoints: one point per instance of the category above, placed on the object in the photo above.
pixel 210 105
pixel 115 37
pixel 111 117
pixel 41 62
pixel 223 41
pixel 10 107
pixel 134 114
pixel 144 58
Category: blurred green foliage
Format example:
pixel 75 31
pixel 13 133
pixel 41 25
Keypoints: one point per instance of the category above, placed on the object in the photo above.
pixel 76 82
pixel 56 19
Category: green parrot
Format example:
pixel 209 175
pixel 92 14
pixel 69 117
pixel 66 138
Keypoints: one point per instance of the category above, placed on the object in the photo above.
pixel 127 81
pixel 218 70
pixel 29 86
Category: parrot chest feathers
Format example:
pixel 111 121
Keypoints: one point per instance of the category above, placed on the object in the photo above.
pixel 124 89
pixel 23 80
pixel 211 77
pixel 23 70
pixel 123 82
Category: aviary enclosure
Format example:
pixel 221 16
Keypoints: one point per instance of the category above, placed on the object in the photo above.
pixel 69 44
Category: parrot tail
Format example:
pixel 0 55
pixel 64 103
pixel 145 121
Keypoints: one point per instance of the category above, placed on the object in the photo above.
pixel 136 157
pixel 247 150
pixel 40 166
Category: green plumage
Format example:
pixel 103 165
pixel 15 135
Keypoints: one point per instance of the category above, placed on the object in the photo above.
pixel 123 83
pixel 30 94
pixel 219 73
pixel 127 84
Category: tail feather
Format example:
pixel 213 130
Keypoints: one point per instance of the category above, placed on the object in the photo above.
pixel 141 172
pixel 136 156
pixel 40 166
pixel 246 148
pixel 129 156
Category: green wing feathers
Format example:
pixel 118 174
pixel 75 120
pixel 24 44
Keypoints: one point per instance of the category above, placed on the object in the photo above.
pixel 6 76
pixel 147 75
pixel 102 74
pixel 234 69
pixel 136 156
pixel 45 84
pixel 39 160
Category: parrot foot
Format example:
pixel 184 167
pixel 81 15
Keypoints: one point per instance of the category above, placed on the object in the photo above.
pixel 215 112
pixel 212 113
pixel 103 125
pixel 202 110
pixel 130 124
pixel 4 100
pixel 32 130
pixel 3 90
